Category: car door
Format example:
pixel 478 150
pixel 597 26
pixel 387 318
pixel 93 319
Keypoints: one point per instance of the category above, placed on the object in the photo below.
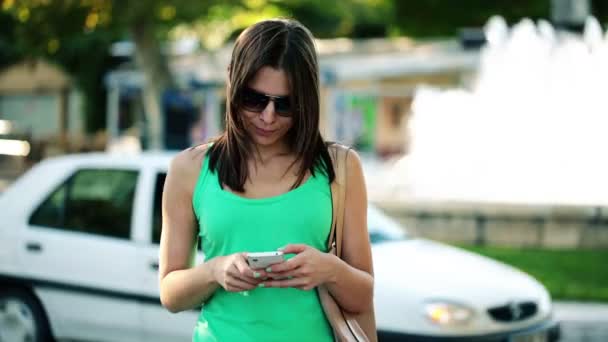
pixel 159 324
pixel 78 252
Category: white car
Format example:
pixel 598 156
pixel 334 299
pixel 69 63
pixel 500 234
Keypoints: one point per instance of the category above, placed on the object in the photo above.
pixel 79 256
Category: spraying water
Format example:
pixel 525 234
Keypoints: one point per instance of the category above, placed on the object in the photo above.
pixel 533 128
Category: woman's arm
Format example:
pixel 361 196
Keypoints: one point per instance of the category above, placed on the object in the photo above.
pixel 182 285
pixel 352 284
pixel 350 279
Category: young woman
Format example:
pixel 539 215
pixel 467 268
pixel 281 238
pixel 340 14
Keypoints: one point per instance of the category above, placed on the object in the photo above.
pixel 264 185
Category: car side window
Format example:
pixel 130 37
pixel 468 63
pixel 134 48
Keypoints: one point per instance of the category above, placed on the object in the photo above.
pixel 157 218
pixel 93 201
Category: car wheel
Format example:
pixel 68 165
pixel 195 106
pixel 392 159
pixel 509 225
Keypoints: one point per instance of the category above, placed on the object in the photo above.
pixel 22 318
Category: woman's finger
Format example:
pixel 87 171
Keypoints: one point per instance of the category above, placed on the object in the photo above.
pixel 287 265
pixel 236 274
pixel 294 248
pixel 299 272
pixel 246 273
pixel 237 285
pixel 294 282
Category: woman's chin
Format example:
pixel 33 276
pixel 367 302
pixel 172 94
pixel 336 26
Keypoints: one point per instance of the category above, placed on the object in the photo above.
pixel 262 141
pixel 265 142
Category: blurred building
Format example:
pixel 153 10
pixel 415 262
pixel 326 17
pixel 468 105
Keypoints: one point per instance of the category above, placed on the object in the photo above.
pixel 193 111
pixel 40 114
pixel 367 87
pixel 39 99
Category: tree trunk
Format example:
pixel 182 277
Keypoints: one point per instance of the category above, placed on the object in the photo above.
pixel 157 78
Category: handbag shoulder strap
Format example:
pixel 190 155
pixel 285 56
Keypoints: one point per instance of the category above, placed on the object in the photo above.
pixel 339 153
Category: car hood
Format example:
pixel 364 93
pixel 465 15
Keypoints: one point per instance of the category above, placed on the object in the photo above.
pixel 430 270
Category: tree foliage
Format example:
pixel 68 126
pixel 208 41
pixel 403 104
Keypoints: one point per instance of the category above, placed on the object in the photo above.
pixel 77 34
pixel 63 32
pixel 346 18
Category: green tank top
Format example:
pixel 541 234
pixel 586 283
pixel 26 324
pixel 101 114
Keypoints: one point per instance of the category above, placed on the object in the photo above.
pixel 229 224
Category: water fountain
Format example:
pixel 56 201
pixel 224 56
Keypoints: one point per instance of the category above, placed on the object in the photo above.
pixel 532 127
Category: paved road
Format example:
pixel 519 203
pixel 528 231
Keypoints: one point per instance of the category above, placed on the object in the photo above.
pixel 582 322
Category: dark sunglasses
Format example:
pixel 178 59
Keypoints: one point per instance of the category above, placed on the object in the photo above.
pixel 256 102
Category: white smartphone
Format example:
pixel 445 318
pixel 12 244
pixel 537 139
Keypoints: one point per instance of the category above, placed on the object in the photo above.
pixel 264 259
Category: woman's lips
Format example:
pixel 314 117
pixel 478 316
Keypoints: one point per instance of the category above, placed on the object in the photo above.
pixel 263 132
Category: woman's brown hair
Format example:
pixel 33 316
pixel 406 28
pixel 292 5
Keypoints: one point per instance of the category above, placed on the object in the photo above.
pixel 281 44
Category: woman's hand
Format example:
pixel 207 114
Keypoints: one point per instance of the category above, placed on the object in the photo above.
pixel 234 274
pixel 305 271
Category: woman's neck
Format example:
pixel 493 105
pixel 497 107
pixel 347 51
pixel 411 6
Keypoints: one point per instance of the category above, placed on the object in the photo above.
pixel 263 154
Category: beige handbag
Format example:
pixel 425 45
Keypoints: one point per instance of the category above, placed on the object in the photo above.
pixel 347 327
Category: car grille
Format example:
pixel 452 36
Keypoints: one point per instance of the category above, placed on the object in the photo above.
pixel 513 311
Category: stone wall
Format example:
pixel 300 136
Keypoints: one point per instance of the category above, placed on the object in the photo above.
pixel 552 226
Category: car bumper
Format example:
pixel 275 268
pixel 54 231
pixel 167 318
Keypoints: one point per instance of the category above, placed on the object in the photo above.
pixel 551 328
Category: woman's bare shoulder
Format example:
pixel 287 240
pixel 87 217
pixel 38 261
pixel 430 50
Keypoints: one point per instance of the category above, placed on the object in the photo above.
pixel 353 159
pixel 186 165
pixel 348 153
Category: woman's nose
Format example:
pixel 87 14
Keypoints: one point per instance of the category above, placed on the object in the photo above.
pixel 268 115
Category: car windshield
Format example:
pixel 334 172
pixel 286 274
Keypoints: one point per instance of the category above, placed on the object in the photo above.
pixel 383 228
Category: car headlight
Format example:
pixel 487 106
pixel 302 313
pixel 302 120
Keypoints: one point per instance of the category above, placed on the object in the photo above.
pixel 448 313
